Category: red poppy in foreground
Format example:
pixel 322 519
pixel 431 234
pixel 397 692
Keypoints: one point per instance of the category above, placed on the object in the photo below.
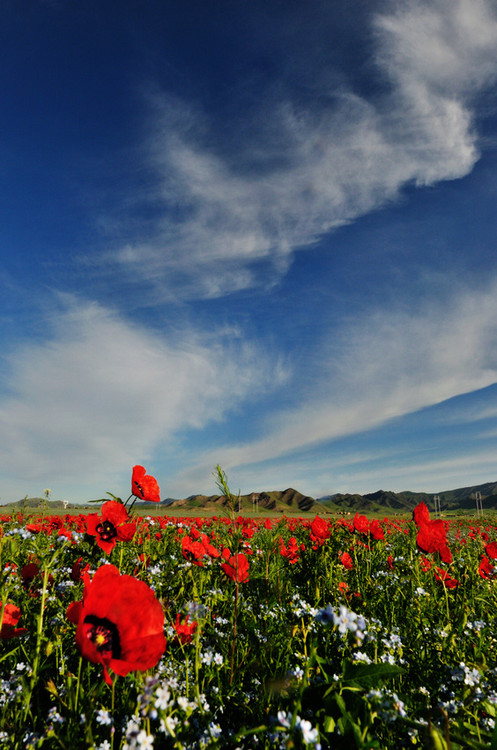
pixel 9 617
pixel 236 566
pixel 120 623
pixel 114 525
pixel 144 486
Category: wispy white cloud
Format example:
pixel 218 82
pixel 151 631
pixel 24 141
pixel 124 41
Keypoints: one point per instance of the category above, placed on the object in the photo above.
pixel 385 365
pixel 299 171
pixel 429 475
pixel 99 394
pixel 415 473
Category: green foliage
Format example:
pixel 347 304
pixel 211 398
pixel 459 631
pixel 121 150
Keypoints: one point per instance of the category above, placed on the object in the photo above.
pixel 307 651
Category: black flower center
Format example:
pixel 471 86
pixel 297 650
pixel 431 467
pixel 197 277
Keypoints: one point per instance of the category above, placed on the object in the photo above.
pixel 107 531
pixel 104 634
pixel 140 491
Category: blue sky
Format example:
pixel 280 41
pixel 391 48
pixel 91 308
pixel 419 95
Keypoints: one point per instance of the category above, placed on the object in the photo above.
pixel 255 234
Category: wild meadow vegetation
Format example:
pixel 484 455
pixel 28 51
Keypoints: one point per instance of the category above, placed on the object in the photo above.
pixel 121 631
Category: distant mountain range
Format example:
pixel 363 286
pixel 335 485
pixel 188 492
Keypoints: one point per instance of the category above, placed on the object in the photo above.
pixel 291 500
pixel 463 498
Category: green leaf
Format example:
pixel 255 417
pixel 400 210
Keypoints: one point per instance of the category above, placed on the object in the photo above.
pixel 488 707
pixel 369 675
pixel 329 724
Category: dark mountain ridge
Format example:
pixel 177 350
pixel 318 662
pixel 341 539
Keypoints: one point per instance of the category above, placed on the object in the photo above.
pixel 275 500
pixel 462 498
pixel 290 500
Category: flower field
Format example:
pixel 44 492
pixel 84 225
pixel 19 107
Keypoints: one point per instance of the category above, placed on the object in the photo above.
pixel 122 631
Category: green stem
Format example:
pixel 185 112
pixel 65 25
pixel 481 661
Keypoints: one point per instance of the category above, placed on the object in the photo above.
pixel 76 701
pixel 233 643
pixel 39 634
pixel 112 711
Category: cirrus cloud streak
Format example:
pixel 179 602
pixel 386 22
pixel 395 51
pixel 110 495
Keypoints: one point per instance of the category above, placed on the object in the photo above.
pixel 230 221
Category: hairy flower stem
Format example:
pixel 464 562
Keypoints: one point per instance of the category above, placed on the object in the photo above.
pixel 76 700
pixel 197 669
pixel 112 709
pixel 39 634
pixel 233 643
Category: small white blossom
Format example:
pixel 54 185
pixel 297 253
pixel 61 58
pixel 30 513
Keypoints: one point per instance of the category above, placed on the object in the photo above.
pixel 145 741
pixel 215 730
pixel 162 698
pixel 104 717
pixel 183 702
pixel 309 735
pixel 283 719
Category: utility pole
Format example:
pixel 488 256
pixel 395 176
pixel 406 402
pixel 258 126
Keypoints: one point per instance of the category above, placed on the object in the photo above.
pixel 436 500
pixel 479 506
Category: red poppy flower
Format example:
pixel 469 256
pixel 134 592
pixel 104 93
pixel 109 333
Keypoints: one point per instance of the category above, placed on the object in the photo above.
pixel 320 531
pixel 32 578
pixel 193 550
pixel 209 548
pixel 144 485
pixel 184 630
pixel 29 573
pixel 291 552
pixel 432 536
pixel 9 617
pixel 491 550
pixel 376 530
pixel 361 524
pixel 421 514
pixel 113 526
pixel 77 571
pixel 248 532
pixel 320 528
pixel 486 569
pixel 120 623
pixel 443 577
pixel 236 566
pixel 64 531
pixel 425 564
pixel 34 528
pixel 346 561
pixel 445 554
